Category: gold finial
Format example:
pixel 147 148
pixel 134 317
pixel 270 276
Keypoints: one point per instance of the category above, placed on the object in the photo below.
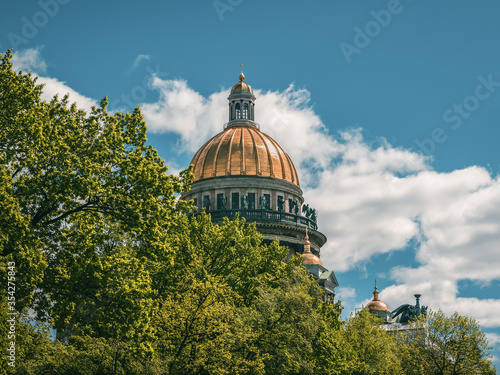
pixel 307 244
pixel 242 76
pixel 375 292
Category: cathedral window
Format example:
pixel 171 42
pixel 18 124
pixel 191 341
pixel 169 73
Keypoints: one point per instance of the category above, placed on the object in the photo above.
pixel 245 110
pixel 238 110
pixel 251 201
pixel 235 201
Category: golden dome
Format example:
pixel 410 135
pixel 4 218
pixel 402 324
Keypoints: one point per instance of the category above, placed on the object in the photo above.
pixel 243 150
pixel 241 86
pixel 309 258
pixel 376 304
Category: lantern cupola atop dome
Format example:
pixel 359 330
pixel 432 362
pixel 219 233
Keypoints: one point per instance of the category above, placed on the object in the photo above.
pixel 241 103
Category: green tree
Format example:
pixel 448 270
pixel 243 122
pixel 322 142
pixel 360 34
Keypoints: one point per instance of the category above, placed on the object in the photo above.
pixel 286 321
pixel 332 353
pixel 447 345
pixel 375 350
pixel 231 306
pixel 88 205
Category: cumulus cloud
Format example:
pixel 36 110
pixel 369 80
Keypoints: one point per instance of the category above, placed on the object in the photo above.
pixel 373 198
pixel 344 293
pixel 185 112
pixel 55 87
pixel 493 338
pixel 31 60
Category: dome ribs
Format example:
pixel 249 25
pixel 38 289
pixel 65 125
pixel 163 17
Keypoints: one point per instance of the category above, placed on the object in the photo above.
pixel 203 151
pixel 258 169
pixel 243 150
pixel 230 153
pixel 242 147
pixel 216 157
pixel 269 156
pixel 280 156
pixel 293 171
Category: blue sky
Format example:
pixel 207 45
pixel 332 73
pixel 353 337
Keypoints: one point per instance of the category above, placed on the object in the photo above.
pixel 389 109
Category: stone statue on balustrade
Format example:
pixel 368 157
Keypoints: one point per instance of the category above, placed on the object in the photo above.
pixel 281 203
pixel 263 202
pixel 244 202
pixel 206 202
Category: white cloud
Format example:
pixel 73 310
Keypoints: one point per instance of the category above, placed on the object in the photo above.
pixel 183 111
pixel 493 338
pixel 31 60
pixel 344 293
pixel 53 86
pixel 372 198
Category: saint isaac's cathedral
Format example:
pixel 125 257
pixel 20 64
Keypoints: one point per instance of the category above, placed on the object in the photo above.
pixel 243 170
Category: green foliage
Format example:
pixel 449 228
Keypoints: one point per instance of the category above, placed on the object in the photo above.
pixel 87 202
pixel 375 351
pixel 59 164
pixel 96 285
pixel 448 345
pixel 332 353
pixel 232 306
pixel 30 340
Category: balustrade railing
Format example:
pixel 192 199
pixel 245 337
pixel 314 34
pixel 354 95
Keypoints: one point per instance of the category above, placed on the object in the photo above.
pixel 264 216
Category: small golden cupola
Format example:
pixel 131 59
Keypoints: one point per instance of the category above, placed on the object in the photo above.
pixel 241 103
pixel 376 304
pixel 242 87
pixel 308 258
pixel 379 308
